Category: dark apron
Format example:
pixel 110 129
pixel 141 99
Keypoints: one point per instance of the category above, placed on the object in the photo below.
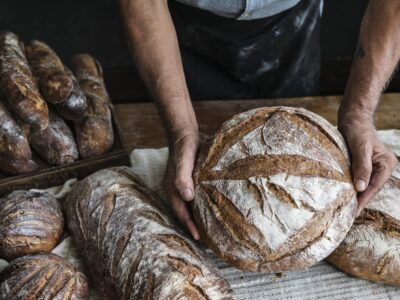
pixel 224 58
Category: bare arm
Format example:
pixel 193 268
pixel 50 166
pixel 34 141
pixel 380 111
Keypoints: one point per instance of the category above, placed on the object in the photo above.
pixel 154 46
pixel 375 60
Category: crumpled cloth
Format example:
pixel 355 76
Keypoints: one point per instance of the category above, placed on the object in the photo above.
pixel 321 281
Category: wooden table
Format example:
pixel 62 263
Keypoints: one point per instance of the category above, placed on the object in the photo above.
pixel 142 128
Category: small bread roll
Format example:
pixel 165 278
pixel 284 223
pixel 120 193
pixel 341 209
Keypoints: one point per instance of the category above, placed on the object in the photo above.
pixel 42 276
pixel 30 222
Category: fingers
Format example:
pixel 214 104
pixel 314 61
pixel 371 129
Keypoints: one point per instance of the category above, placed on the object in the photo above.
pixel 183 171
pixel 183 215
pixel 361 165
pixel 382 169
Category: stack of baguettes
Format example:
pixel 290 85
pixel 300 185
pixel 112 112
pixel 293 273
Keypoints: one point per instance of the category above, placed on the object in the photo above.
pixel 39 97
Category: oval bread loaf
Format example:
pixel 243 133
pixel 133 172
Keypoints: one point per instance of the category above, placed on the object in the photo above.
pixel 42 276
pixel 371 249
pixel 54 83
pixel 18 83
pixel 273 190
pixel 94 132
pixel 133 246
pixel 15 153
pixel 74 107
pixel 55 144
pixel 30 222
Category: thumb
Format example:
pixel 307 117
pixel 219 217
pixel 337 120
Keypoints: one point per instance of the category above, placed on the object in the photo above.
pixel 183 171
pixel 361 166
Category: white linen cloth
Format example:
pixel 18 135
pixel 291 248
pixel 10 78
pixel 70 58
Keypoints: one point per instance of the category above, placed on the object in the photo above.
pixel 321 281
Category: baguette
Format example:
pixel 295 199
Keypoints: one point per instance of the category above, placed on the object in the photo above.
pixel 30 222
pixel 42 276
pixel 94 132
pixel 74 107
pixel 54 83
pixel 56 144
pixel 132 245
pixel 18 83
pixel 15 153
pixel 273 190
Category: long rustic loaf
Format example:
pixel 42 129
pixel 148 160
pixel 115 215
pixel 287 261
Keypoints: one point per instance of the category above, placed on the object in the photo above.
pixel 132 245
pixel 18 84
pixel 54 83
pixel 273 190
pixel 74 107
pixel 42 276
pixel 15 153
pixel 94 132
pixel 55 144
pixel 30 222
pixel 371 249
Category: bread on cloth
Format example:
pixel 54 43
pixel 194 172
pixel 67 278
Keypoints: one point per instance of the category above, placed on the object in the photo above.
pixel 371 249
pixel 273 190
pixel 132 245
pixel 42 276
pixel 30 222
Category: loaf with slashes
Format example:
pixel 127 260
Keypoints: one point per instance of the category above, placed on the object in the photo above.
pixel 273 190
pixel 42 276
pixel 131 244
pixel 371 249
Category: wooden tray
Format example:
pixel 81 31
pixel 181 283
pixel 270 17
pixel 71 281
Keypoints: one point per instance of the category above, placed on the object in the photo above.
pixel 47 176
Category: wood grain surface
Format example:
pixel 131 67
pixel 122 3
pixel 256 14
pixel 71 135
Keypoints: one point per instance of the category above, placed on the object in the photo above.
pixel 141 126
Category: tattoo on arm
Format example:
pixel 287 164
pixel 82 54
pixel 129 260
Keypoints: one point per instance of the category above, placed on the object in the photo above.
pixel 360 52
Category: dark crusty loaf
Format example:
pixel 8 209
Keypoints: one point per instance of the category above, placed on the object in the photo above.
pixel 371 249
pixel 15 153
pixel 18 83
pixel 273 190
pixel 132 245
pixel 30 222
pixel 42 276
pixel 54 83
pixel 94 132
pixel 56 144
pixel 74 107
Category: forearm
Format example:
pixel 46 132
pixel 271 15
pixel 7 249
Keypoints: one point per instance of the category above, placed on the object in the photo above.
pixel 375 60
pixel 154 46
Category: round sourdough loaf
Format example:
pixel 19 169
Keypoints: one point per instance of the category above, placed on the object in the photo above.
pixel 42 276
pixel 273 190
pixel 30 222
pixel 371 249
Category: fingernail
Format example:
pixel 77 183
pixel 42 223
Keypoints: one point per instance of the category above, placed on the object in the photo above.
pixel 187 194
pixel 360 185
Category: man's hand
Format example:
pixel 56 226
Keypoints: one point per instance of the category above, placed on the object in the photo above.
pixel 372 161
pixel 178 182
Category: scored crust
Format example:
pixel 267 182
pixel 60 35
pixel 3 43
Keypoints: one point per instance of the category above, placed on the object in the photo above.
pixel 132 245
pixel 371 249
pixel 42 276
pixel 274 190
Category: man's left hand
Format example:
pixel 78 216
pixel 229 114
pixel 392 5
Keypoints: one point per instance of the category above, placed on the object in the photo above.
pixel 372 161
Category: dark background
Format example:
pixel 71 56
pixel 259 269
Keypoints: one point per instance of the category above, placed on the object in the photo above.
pixel 93 26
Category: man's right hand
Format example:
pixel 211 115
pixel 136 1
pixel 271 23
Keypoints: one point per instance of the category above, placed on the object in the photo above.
pixel 178 182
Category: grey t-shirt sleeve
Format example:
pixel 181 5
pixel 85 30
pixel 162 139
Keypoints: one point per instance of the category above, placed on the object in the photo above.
pixel 243 9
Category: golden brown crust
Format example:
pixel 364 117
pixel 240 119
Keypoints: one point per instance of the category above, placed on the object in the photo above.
pixel 263 170
pixel 30 222
pixel 54 83
pixel 18 83
pixel 42 276
pixel 94 132
pixel 371 248
pixel 133 246
pixel 56 144
pixel 75 106
pixel 15 153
